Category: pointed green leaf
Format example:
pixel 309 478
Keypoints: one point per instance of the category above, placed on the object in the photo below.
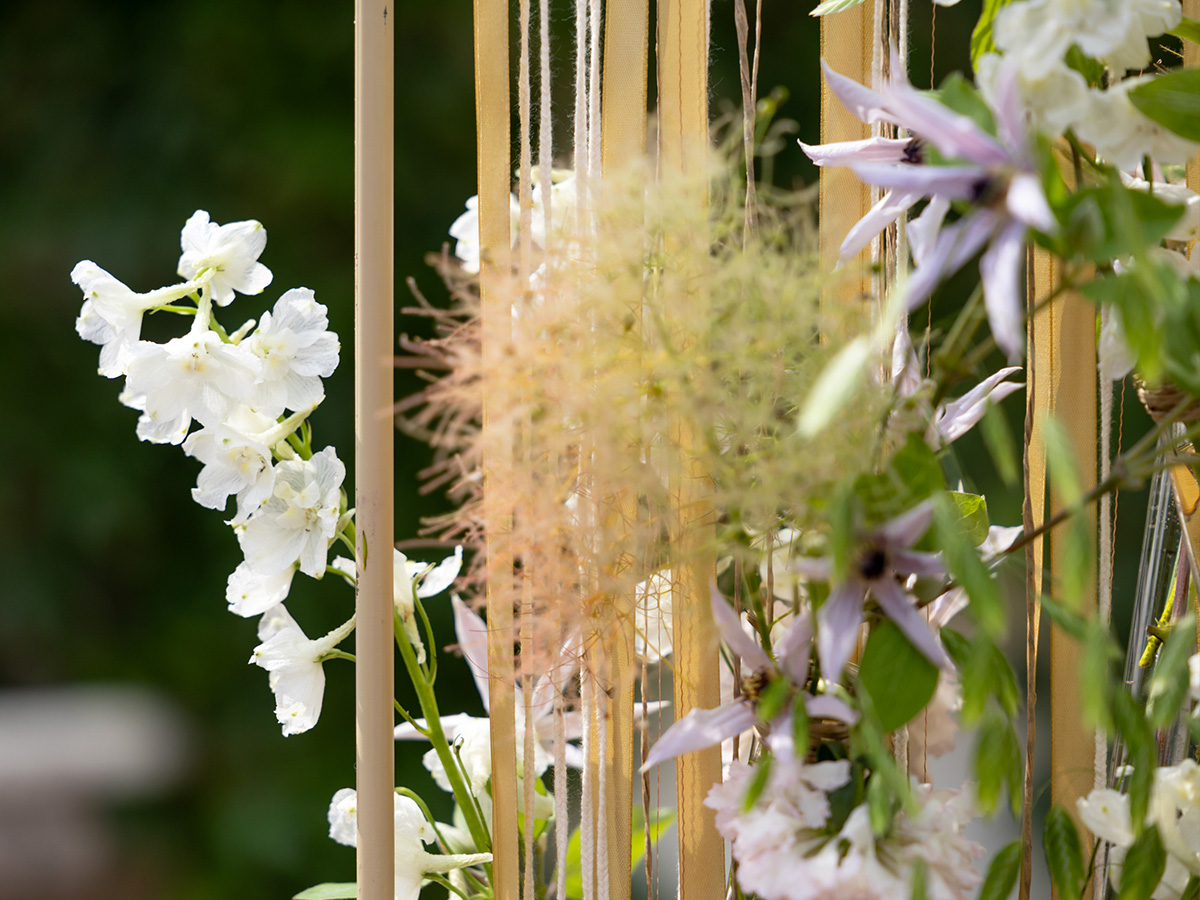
pixel 1192 890
pixel 998 438
pixel 1173 101
pixel 981 37
pixel 329 891
pixel 1002 873
pixel 968 569
pixel 1143 867
pixel 833 6
pixel 899 678
pixel 973 519
pixel 997 762
pixel 1064 854
pixel 1188 30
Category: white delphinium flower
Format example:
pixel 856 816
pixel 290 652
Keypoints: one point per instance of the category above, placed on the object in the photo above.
pixel 785 852
pixel 111 315
pixel 466 231
pixel 1038 33
pixel 1175 811
pixel 297 350
pixel 249 592
pixel 197 376
pixel 1053 101
pixel 1123 135
pixel 1105 813
pixel 432 581
pixel 300 519
pixel 237 460
pixel 1194 681
pixel 412 860
pixel 294 662
pixel 1114 357
pixel 227 255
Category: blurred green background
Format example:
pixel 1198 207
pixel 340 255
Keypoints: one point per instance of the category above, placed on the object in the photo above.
pixel 117 121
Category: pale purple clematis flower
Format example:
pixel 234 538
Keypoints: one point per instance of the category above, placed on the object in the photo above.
pixel 883 555
pixel 702 728
pixel 954 418
pixel 996 174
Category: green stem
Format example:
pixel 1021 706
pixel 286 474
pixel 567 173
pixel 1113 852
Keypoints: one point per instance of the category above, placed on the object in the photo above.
pixel 437 737
pixel 338 654
pixel 446 883
pixel 407 716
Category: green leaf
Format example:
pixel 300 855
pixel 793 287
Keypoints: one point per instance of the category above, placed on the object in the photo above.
pixel 1169 683
pixel 997 762
pixel 1173 101
pixel 1096 675
pixel 663 818
pixel 911 475
pixel 1069 620
pixel 998 438
pixel 881 805
pixel 899 678
pixel 957 93
pixel 773 699
pixel 985 673
pixel 1110 221
pixel 973 519
pixel 329 891
pixel 1143 867
pixel 1092 70
pixel 1075 578
pixel 981 37
pixel 919 891
pixel 1188 30
pixel 832 6
pixel 1192 891
pixel 762 771
pixel 1141 751
pixel 1064 855
pixel 1002 873
pixel 968 569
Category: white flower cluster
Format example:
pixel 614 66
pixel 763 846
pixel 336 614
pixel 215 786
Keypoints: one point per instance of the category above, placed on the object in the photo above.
pixel 1174 810
pixel 239 387
pixel 1038 34
pixel 786 848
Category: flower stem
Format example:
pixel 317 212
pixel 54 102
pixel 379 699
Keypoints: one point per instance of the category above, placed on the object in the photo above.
pixel 437 737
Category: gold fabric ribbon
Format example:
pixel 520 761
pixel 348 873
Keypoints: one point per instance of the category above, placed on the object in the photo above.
pixel 492 156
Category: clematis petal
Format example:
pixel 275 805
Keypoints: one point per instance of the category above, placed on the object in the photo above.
pixel 912 562
pixel 441 576
pixel 890 207
pixel 953 134
pixel 868 150
pixel 812 568
pixel 897 606
pixel 923 230
pixel 955 182
pixel 825 706
pixel 955 245
pixel 861 102
pixel 471 631
pixel 960 415
pixel 838 620
pixel 1000 269
pixel 729 626
pixel 699 729
pixel 1026 202
pixel 908 527
pixel 793 649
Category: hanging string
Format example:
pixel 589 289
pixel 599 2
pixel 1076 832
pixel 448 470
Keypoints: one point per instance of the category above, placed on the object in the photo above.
pixel 587 822
pixel 581 111
pixel 602 867
pixel 546 122
pixel 561 823
pixel 595 16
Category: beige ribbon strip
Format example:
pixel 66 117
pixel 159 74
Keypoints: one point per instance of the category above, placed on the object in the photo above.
pixel 375 430
pixel 683 141
pixel 844 199
pixel 1037 402
pixel 623 143
pixel 492 132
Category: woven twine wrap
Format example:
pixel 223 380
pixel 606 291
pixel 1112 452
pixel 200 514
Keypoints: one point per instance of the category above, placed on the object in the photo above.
pixel 1161 400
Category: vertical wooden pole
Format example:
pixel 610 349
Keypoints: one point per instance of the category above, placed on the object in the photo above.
pixel 495 243
pixel 374 429
pixel 843 198
pixel 623 143
pixel 682 146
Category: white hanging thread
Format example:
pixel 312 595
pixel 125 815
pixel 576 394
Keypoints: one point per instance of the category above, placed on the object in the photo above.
pixel 595 19
pixel 587 823
pixel 561 835
pixel 581 108
pixel 602 793
pixel 1104 588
